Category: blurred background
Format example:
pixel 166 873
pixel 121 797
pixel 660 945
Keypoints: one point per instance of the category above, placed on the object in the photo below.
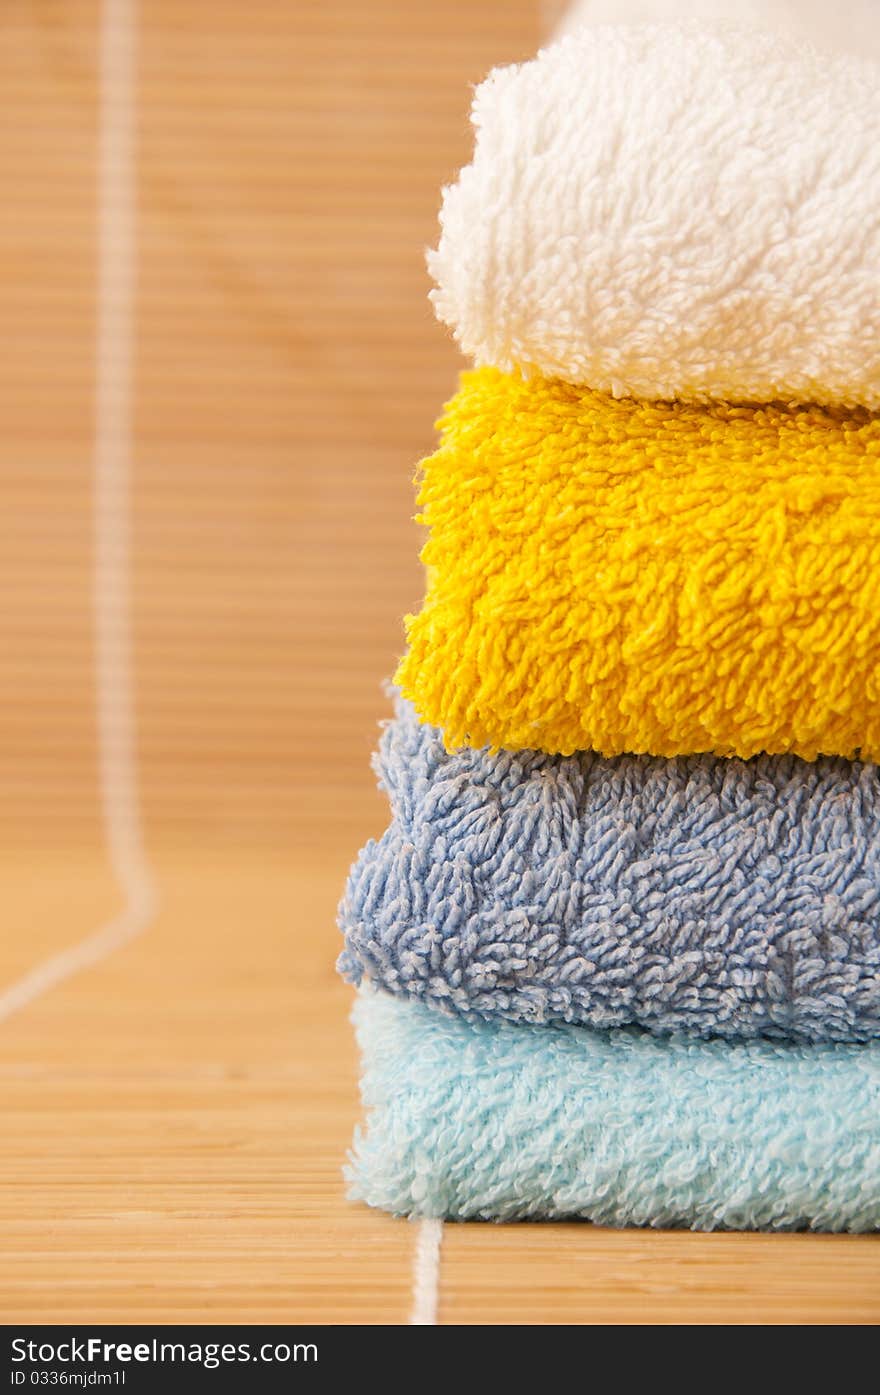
pixel 287 371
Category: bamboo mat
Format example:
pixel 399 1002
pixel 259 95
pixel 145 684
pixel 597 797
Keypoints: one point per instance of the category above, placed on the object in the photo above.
pixel 176 1112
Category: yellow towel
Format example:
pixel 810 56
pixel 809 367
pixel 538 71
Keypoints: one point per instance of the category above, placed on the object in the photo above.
pixel 648 577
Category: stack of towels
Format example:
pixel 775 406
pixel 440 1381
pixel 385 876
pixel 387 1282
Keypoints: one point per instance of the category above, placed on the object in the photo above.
pixel 619 949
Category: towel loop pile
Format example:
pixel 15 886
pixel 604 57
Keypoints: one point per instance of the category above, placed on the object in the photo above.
pixel 618 952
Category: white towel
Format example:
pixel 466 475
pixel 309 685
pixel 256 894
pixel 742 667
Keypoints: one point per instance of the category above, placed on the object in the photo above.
pixel 673 211
pixel 849 26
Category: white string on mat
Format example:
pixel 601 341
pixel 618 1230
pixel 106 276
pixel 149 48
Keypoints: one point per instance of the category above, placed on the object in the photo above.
pixel 114 355
pixel 426 1273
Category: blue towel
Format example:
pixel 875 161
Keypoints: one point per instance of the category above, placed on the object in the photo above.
pixel 499 1120
pixel 702 894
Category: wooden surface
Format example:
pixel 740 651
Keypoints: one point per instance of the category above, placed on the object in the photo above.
pixel 175 1116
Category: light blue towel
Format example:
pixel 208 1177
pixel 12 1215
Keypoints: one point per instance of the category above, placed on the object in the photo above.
pixel 506 1121
pixel 704 895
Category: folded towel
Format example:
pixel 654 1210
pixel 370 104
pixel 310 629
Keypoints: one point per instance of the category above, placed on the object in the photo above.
pixel 673 212
pixel 665 578
pixel 505 1121
pixel 701 895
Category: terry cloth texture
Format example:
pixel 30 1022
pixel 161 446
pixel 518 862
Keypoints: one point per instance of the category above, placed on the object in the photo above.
pixel 673 212
pixel 662 578
pixel 699 895
pixel 505 1121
